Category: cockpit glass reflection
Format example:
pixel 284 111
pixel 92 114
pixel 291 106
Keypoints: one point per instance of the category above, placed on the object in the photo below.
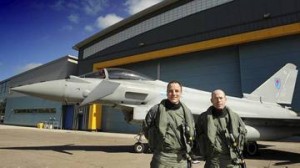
pixel 117 73
pixel 97 74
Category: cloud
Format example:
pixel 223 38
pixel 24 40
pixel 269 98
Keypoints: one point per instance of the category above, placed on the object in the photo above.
pixel 93 7
pixel 72 5
pixel 79 9
pixel 132 7
pixel 89 28
pixel 28 67
pixel 67 28
pixel 58 5
pixel 73 18
pixel 135 6
pixel 108 20
pixel 88 7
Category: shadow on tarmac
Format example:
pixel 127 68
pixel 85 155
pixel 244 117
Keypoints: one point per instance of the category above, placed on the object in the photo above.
pixel 283 157
pixel 71 147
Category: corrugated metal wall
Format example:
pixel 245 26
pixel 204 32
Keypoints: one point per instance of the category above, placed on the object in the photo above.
pixel 49 71
pixel 113 121
pixel 261 60
pixel 202 70
pixel 32 118
pixel 205 70
pixel 237 70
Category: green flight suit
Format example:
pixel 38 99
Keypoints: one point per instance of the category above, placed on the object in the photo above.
pixel 163 127
pixel 213 137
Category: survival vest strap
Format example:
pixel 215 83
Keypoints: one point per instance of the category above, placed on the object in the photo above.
pixel 235 144
pixel 189 131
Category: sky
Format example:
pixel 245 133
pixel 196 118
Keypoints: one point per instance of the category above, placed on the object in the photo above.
pixel 35 32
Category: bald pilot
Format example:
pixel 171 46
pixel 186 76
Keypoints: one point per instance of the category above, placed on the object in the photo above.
pixel 216 128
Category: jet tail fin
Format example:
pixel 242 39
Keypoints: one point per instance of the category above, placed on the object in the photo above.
pixel 279 88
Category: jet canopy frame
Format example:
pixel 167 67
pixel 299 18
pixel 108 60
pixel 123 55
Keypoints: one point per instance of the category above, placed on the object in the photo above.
pixel 117 73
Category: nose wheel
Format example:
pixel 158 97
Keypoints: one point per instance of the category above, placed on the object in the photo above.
pixel 139 147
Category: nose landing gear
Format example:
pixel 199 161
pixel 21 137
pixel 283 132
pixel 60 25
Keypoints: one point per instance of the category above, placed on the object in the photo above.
pixel 139 146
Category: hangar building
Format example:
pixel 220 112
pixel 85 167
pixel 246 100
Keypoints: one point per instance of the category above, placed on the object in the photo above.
pixel 235 45
pixel 20 109
pixel 231 44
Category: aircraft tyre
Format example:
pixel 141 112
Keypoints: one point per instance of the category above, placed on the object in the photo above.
pixel 139 147
pixel 251 148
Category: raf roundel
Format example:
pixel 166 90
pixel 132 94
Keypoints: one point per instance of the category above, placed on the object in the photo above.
pixel 277 83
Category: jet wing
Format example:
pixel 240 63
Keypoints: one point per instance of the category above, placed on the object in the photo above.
pixel 103 89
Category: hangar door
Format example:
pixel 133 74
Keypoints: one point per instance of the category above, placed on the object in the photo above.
pixel 207 71
pixel 260 60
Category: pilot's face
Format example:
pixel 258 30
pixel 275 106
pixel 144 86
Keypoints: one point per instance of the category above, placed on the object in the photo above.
pixel 218 99
pixel 174 93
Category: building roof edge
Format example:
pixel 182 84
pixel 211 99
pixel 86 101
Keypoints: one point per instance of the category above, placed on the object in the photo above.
pixel 124 22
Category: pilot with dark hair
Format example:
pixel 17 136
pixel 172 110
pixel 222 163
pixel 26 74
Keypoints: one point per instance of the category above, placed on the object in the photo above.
pixel 220 134
pixel 169 128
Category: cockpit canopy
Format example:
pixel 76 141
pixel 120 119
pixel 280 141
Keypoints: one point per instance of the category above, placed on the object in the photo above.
pixel 117 73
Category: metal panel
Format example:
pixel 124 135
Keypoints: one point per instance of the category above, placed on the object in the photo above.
pixel 244 16
pixel 149 68
pixel 68 117
pixel 32 118
pixel 152 23
pixel 113 121
pixel 207 71
pixel 50 71
pixel 57 69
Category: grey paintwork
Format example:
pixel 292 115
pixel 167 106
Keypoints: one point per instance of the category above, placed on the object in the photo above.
pixel 265 118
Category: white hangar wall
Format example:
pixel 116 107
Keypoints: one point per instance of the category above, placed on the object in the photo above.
pixel 27 110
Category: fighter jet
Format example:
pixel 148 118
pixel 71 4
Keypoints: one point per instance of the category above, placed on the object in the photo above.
pixel 263 112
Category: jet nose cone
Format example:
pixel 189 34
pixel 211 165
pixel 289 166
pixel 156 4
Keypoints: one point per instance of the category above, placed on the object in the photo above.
pixel 52 90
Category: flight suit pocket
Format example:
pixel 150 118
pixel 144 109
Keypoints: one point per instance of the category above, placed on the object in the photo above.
pixel 152 137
